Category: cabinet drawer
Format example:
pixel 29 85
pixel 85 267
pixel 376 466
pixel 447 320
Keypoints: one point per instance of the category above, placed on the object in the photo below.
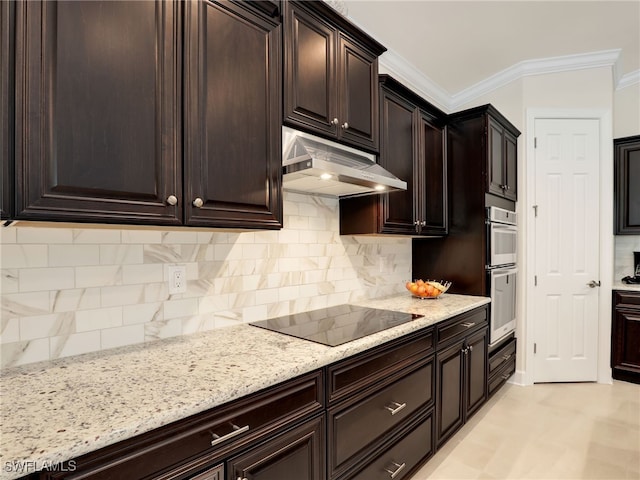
pixel 458 327
pixel 501 376
pixel 362 422
pixel 353 375
pixel 206 437
pixel 627 300
pixel 407 451
pixel 502 355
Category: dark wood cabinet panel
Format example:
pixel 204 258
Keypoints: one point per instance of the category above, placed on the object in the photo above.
pixel 357 95
pixel 7 24
pixel 502 155
pixel 476 381
pixel 627 185
pixel 98 125
pixel 297 453
pixel 330 75
pixel 310 74
pixel 412 147
pixel 461 371
pixel 625 335
pixel 408 450
pixel 232 119
pixel 355 425
pixel 449 390
pixel 511 165
pixel 432 158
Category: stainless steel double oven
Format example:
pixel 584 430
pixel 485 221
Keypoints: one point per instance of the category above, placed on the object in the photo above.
pixel 502 241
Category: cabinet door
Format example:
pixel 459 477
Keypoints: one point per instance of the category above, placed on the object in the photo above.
pixel 496 178
pixel 233 144
pixel 357 95
pixel 311 100
pixel 98 124
pixel 449 391
pixel 7 10
pixel 476 370
pixel 625 347
pixel 432 160
pixel 298 453
pixel 627 185
pixel 511 166
pixel 397 156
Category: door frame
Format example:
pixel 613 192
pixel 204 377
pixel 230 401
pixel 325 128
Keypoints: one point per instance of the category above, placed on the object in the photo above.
pixel 607 250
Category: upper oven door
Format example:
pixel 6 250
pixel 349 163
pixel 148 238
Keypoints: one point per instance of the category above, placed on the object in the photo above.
pixel 502 244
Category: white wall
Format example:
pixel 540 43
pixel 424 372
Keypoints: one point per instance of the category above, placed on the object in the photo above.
pixel 626 110
pixel 73 289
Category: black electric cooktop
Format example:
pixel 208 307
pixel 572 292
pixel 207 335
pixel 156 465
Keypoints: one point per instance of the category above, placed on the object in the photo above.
pixel 336 325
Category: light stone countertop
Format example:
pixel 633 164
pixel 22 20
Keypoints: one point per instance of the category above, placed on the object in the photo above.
pixel 624 286
pixel 55 411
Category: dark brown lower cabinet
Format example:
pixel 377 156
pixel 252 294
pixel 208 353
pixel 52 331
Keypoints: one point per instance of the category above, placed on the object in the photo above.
pixel 502 363
pixel 625 336
pixel 461 376
pixel 405 452
pixel 298 454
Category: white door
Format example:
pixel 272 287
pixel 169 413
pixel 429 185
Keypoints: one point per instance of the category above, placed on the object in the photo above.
pixel 566 231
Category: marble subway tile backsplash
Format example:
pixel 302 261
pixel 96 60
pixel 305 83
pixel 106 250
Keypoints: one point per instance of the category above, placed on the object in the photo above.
pixel 70 289
pixel 625 246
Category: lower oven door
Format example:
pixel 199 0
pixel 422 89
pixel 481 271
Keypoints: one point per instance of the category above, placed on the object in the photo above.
pixel 503 302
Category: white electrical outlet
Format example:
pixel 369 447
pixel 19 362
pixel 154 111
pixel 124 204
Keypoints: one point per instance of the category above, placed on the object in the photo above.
pixel 177 279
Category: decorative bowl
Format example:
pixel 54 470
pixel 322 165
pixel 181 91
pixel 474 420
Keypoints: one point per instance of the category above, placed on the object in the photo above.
pixel 427 288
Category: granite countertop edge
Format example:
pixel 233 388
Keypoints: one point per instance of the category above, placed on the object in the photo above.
pixel 56 411
pixel 626 286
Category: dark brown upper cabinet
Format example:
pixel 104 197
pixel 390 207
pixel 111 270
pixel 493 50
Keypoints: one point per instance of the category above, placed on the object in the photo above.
pixel 491 142
pixel 412 147
pixel 7 11
pixel 331 75
pixel 626 152
pixel 98 121
pixel 143 112
pixel 233 115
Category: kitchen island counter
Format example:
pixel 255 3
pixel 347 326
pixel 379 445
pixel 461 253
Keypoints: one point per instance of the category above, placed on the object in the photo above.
pixel 55 411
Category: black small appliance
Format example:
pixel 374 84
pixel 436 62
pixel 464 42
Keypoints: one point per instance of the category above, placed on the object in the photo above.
pixel 636 270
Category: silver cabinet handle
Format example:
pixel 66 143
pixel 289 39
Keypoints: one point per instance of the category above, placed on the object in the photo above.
pixel 243 478
pixel 172 200
pixel 506 357
pixel 471 348
pixel 506 376
pixel 335 121
pixel 468 324
pixel 395 469
pixel 236 431
pixel 198 202
pixel 396 408
pixel 593 284
pixel 345 125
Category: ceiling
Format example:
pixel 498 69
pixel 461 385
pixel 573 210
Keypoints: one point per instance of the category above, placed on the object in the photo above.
pixel 457 45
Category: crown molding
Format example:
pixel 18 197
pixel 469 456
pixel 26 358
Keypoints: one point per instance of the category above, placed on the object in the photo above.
pixel 629 79
pixel 398 67
pixel 541 66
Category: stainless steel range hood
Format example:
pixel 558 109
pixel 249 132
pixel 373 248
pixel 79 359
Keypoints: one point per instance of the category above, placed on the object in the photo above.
pixel 314 165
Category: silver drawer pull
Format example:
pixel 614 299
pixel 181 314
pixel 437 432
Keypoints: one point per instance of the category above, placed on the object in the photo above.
pixel 397 470
pixel 236 431
pixel 506 357
pixel 468 324
pixel 396 409
pixel 506 376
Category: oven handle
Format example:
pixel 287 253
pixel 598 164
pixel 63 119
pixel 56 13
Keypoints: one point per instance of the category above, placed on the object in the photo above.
pixel 500 271
pixel 503 226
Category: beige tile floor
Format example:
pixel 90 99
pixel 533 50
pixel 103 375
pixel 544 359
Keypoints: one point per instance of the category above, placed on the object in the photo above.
pixel 547 431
